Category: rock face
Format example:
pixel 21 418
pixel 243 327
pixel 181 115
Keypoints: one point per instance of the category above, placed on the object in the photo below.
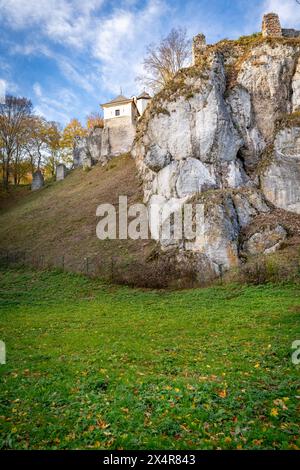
pixel 37 180
pixel 117 138
pixel 265 241
pixel 80 152
pixel 212 136
pixel 88 150
pixel 94 143
pixel 280 181
pixel 101 145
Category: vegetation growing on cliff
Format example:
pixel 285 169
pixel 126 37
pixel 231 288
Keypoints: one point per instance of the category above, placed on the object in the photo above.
pixel 287 121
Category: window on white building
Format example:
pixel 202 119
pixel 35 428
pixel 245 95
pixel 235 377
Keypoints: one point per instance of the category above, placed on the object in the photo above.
pixel 117 112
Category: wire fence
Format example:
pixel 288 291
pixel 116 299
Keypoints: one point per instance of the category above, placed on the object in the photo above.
pixel 90 266
pixel 159 273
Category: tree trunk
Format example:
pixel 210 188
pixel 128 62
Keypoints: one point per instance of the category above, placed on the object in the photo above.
pixel 5 175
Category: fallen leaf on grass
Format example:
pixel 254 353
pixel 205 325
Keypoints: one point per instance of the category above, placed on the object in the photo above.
pixel 102 424
pixel 222 393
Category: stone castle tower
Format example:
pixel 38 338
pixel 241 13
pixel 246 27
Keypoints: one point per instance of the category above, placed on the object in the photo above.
pixel 199 45
pixel 271 27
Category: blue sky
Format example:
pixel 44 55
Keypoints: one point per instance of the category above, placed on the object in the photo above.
pixel 69 56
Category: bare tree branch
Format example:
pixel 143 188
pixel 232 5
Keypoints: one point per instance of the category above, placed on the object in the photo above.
pixel 162 61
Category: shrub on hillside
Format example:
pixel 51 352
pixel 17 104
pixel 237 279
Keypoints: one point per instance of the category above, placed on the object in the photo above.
pixel 157 274
pixel 262 270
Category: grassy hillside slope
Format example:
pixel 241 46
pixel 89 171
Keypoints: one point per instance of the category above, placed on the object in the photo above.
pixel 95 366
pixel 60 220
pixel 56 226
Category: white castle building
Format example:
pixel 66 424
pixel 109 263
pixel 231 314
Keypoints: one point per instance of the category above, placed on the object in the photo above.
pixel 126 107
pixel 120 118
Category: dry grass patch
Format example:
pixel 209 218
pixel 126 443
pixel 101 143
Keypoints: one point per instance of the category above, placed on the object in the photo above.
pixel 60 220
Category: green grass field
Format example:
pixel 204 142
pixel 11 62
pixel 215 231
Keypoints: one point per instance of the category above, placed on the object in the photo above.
pixel 93 366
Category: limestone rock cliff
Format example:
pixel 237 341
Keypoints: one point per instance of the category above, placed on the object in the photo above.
pixel 88 150
pixel 226 132
pixel 280 180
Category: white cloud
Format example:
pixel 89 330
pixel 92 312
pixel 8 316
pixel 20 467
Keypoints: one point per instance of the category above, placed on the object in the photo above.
pixel 102 49
pixel 288 11
pixel 121 40
pixel 56 106
pixel 70 71
pixel 65 21
pixel 37 90
pixel 114 33
pixel 114 45
pixel 30 49
pixel 2 89
pixel 7 86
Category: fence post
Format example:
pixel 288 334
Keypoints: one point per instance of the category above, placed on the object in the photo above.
pixel 63 262
pixel 86 265
pixel 112 268
pixel 221 273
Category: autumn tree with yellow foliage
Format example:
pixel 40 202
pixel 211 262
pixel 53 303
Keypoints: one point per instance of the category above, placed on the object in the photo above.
pixel 29 142
pixel 93 121
pixel 71 132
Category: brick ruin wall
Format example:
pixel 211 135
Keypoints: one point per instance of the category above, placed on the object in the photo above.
pixel 290 33
pixel 271 27
pixel 199 44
